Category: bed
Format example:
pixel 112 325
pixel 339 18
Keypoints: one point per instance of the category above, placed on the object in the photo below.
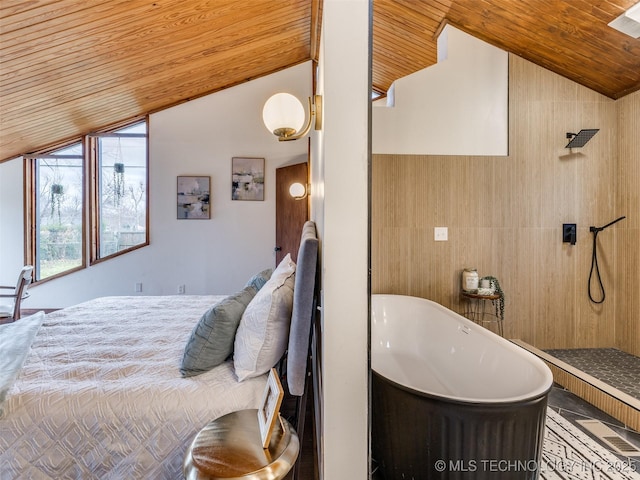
pixel 100 394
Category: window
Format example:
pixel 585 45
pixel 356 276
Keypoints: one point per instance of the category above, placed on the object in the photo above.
pixel 56 204
pixel 56 217
pixel 120 192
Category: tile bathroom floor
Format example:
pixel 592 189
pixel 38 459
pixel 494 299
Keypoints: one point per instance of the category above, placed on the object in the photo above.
pixel 572 408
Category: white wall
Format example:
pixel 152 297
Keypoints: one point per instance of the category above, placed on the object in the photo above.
pixel 457 107
pixel 11 231
pixel 208 256
pixel 342 222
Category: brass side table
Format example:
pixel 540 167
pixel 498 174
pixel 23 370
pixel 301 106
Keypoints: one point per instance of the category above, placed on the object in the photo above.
pixel 230 448
pixel 477 310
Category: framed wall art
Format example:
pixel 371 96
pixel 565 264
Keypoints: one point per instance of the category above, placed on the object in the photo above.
pixel 269 412
pixel 193 197
pixel 247 178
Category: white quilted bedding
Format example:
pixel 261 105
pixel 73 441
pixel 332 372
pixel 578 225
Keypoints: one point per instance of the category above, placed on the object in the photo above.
pixel 100 395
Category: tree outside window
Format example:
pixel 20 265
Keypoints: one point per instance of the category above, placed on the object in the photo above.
pixel 113 169
pixel 121 164
pixel 59 180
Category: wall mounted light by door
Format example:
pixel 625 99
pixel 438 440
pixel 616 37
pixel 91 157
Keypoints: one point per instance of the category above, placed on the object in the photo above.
pixel 283 115
pixel 298 191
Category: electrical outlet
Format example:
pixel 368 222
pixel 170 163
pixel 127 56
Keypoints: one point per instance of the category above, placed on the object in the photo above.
pixel 181 289
pixel 441 234
pixel 138 287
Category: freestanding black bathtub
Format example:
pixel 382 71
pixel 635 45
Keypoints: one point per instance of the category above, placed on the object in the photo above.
pixel 450 399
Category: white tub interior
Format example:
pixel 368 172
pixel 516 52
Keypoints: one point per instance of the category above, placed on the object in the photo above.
pixel 426 347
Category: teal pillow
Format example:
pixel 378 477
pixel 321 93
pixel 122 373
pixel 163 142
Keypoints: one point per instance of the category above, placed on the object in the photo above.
pixel 211 341
pixel 259 279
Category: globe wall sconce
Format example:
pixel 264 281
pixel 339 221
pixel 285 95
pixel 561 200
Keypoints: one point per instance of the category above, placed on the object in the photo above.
pixel 298 191
pixel 284 116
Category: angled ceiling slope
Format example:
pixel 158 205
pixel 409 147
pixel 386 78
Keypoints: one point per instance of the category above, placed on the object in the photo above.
pixel 68 67
pixel 569 37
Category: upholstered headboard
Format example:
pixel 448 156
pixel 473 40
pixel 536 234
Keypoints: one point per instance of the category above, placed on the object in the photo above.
pixel 302 314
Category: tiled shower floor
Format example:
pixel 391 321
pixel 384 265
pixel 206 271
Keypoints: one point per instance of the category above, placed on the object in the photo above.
pixel 614 367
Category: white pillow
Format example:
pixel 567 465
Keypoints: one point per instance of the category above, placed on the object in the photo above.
pixel 263 332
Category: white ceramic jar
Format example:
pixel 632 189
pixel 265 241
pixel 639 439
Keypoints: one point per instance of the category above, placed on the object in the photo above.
pixel 470 280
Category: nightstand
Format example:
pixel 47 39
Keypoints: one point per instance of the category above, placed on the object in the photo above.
pixel 230 447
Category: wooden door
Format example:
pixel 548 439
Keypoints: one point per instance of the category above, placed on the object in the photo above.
pixel 290 213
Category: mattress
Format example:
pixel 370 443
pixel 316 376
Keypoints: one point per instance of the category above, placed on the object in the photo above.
pixel 100 393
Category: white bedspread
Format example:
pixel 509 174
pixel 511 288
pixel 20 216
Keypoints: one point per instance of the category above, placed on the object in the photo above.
pixel 100 395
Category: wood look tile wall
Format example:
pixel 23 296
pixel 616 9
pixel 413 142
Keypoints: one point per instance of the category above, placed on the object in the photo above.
pixel 505 217
pixel 627 295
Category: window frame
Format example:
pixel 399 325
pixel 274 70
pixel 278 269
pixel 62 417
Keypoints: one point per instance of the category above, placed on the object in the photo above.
pixel 94 189
pixel 90 210
pixel 31 211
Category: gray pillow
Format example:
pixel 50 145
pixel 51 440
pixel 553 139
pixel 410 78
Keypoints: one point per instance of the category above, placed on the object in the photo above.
pixel 259 279
pixel 211 341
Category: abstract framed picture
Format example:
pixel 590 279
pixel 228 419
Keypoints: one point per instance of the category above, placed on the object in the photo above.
pixel 193 198
pixel 247 178
pixel 269 412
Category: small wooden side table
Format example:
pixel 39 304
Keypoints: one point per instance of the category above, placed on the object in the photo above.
pixel 230 447
pixel 477 310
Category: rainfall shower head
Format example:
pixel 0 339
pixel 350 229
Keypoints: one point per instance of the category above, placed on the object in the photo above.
pixel 580 139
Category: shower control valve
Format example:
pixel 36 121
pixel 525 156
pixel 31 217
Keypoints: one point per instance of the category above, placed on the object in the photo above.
pixel 569 233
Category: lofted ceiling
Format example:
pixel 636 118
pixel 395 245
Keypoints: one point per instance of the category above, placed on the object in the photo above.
pixel 568 37
pixel 68 67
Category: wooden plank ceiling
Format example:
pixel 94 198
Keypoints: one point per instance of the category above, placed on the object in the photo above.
pixel 68 67
pixel 569 37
